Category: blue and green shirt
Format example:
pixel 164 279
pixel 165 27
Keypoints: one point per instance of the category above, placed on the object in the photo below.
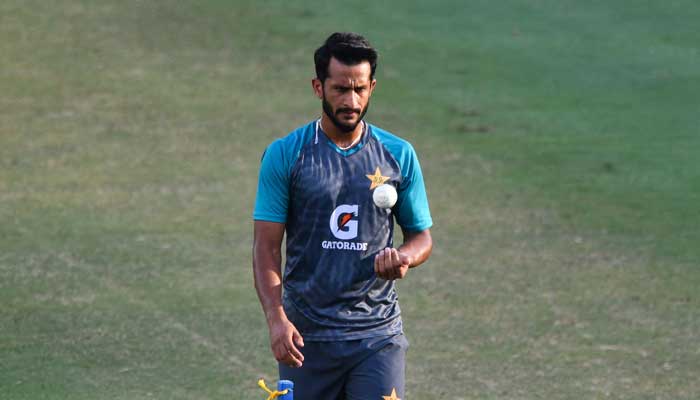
pixel 323 195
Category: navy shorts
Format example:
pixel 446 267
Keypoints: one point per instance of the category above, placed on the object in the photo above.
pixel 350 370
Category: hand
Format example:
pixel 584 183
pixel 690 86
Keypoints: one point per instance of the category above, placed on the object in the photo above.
pixel 285 341
pixel 391 264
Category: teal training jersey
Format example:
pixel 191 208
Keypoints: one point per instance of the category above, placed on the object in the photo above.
pixel 323 195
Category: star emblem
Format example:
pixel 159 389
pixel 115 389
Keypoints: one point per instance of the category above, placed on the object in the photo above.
pixel 393 395
pixel 377 179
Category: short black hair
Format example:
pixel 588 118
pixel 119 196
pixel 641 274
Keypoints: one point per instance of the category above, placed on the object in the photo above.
pixel 348 48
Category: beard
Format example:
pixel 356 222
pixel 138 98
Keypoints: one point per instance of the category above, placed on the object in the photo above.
pixel 342 126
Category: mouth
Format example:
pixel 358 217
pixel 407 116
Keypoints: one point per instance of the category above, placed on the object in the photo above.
pixel 347 114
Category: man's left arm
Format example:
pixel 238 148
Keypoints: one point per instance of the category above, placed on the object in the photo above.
pixel 393 263
pixel 412 213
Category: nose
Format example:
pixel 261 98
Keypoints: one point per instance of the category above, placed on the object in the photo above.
pixel 352 100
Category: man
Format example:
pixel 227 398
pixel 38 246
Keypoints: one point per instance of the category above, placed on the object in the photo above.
pixel 336 328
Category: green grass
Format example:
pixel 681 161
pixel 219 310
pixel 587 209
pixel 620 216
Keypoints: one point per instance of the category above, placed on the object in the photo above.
pixel 558 140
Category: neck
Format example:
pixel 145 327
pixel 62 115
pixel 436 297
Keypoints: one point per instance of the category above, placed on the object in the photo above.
pixel 342 139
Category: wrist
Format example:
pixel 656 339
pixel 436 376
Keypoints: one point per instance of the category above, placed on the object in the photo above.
pixel 405 258
pixel 275 314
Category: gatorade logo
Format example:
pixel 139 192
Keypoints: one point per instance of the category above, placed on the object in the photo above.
pixel 343 221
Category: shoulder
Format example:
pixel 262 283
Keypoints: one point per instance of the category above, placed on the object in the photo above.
pixel 293 142
pixel 284 152
pixel 398 147
pixel 389 139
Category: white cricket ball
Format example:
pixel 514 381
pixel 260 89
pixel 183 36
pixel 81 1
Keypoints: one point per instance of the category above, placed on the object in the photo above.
pixel 384 196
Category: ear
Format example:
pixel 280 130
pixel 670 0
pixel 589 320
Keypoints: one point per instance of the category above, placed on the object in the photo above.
pixel 372 85
pixel 317 85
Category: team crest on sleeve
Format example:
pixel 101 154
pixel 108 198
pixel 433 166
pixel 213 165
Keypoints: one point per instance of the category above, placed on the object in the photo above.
pixel 377 179
pixel 343 225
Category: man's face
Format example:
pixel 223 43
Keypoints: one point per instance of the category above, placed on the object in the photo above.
pixel 345 93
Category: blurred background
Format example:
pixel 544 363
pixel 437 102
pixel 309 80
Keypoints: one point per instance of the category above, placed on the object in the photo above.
pixel 559 141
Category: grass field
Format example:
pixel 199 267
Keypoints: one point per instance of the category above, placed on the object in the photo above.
pixel 560 145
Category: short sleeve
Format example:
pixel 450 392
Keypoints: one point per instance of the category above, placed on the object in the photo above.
pixel 412 210
pixel 272 197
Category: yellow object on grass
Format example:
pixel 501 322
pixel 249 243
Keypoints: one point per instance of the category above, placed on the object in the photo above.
pixel 273 394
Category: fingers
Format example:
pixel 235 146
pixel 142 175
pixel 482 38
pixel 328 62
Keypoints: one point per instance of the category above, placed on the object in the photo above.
pixel 390 264
pixel 293 348
pixel 288 354
pixel 286 344
pixel 399 269
pixel 395 263
pixel 293 358
pixel 298 340
pixel 385 264
pixel 380 264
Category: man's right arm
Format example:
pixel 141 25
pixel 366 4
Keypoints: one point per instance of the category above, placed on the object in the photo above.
pixel 285 340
